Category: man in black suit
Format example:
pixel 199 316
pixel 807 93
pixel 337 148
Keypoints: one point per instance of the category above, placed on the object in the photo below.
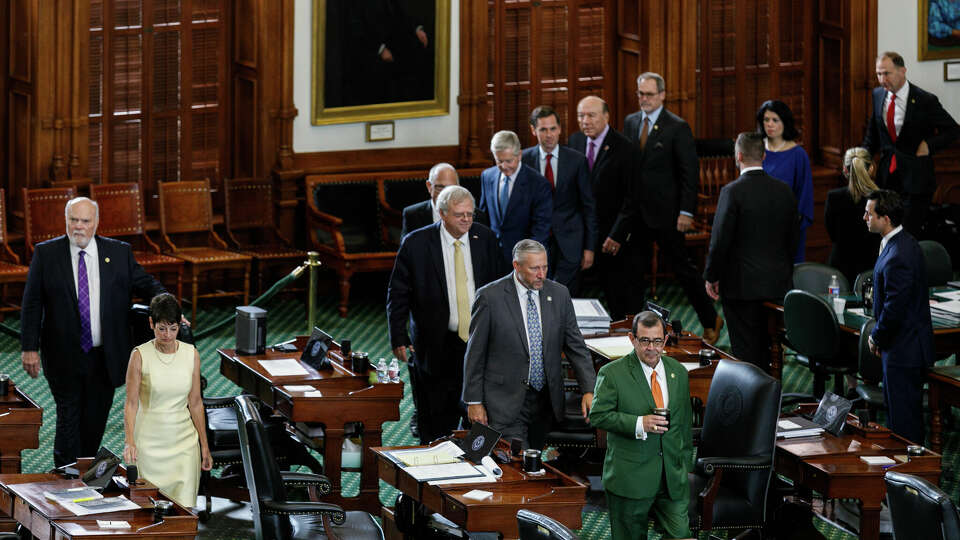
pixel 74 312
pixel 754 239
pixel 433 285
pixel 425 213
pixel 613 178
pixel 574 233
pixel 907 126
pixel 903 335
pixel 668 192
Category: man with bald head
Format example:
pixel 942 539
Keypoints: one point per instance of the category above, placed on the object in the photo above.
pixel 613 177
pixel 74 325
pixel 426 213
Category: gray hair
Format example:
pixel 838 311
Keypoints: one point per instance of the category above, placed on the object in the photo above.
pixel 651 75
pixel 75 200
pixel 526 246
pixel 505 140
pixel 435 172
pixel 451 196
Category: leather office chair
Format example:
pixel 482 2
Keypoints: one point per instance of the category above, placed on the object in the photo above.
pixel 920 509
pixel 813 331
pixel 815 278
pixel 43 216
pixel 729 484
pixel 11 271
pixel 870 370
pixel 275 516
pixel 939 265
pixel 534 526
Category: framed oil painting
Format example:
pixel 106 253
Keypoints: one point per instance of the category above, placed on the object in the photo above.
pixel 938 29
pixel 380 60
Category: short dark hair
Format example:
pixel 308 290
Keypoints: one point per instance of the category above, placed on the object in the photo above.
pixel 888 204
pixel 648 319
pixel 750 144
pixel 781 109
pixel 894 57
pixel 164 308
pixel 543 111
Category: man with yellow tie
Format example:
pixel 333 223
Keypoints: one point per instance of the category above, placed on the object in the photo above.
pixel 433 285
pixel 648 455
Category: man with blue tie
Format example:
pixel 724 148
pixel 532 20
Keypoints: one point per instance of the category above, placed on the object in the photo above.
pixel 903 335
pixel 516 198
pixel 574 232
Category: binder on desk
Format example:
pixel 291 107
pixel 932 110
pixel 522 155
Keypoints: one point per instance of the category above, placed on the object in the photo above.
pixel 797 426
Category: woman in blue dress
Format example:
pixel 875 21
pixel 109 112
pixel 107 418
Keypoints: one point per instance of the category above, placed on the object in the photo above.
pixel 787 161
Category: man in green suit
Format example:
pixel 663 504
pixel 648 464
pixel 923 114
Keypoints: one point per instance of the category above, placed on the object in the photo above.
pixel 648 457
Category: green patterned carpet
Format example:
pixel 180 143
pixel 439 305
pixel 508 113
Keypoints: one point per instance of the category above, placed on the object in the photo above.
pixel 366 326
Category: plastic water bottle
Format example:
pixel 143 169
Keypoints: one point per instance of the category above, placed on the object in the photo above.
pixel 834 288
pixel 394 371
pixel 382 376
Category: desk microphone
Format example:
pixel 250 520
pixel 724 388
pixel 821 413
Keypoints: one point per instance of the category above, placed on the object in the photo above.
pixel 491 466
pixel 132 475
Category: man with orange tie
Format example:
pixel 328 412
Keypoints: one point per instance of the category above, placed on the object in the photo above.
pixel 907 126
pixel 648 455
pixel 573 234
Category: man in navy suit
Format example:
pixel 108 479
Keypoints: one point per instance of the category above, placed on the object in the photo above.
pixel 574 232
pixel 516 198
pixel 425 213
pixel 433 285
pixel 903 335
pixel 907 126
pixel 74 312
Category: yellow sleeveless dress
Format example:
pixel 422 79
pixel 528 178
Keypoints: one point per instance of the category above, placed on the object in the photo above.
pixel 168 448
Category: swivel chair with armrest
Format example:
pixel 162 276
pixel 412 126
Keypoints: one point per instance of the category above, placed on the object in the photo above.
pixel 870 372
pixel 919 509
pixel 938 263
pixel 534 526
pixel 815 278
pixel 812 330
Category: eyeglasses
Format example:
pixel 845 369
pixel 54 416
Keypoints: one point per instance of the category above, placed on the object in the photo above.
pixel 646 94
pixel 462 215
pixel 646 342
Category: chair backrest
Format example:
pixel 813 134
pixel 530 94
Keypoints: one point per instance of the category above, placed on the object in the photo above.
pixel 43 214
pixel 3 228
pixel 740 419
pixel 534 526
pixel 260 469
pixel 939 265
pixel 248 203
pixel 919 509
pixel 811 324
pixel 185 207
pixel 815 278
pixel 861 277
pixel 121 208
pixel 870 366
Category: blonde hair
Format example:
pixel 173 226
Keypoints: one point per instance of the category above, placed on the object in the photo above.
pixel 856 167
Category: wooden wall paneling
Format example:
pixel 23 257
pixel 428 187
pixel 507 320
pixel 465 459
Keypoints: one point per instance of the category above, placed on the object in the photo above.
pixel 4 84
pixel 630 56
pixel 473 103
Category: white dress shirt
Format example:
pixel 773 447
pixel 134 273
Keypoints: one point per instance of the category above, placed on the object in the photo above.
pixel 449 271
pixel 92 260
pixel 900 107
pixel 553 164
pixel 888 236
pixel 662 379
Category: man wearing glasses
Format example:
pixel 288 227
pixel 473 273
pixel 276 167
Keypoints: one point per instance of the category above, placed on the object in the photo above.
pixel 648 454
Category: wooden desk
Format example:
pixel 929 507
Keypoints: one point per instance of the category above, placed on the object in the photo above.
pixel 20 421
pixel 21 496
pixel 944 392
pixel 555 495
pixel 832 466
pixel 346 398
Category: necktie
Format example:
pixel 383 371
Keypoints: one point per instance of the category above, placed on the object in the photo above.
pixel 644 132
pixel 83 302
pixel 504 196
pixel 892 129
pixel 463 300
pixel 548 172
pixel 536 343
pixel 655 388
pixel 590 154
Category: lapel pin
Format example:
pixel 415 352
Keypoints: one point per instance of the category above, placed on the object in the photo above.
pixel 106 259
pixel 656 127
pixel 673 375
pixel 549 299
pixel 913 101
pixel 606 147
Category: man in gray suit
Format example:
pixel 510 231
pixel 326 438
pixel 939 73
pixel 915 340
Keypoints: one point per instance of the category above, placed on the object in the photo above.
pixel 519 326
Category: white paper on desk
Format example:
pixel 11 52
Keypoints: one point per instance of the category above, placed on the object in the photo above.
pixel 691 365
pixel 786 424
pixel 611 347
pixel 313 393
pixel 104 524
pixel 857 311
pixel 99 506
pixel 877 460
pixel 949 295
pixel 477 494
pixel 445 452
pixel 298 387
pixel 484 477
pixel 283 367
pixel 446 471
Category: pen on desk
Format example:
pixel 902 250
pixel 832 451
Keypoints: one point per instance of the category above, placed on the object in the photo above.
pixel 83 499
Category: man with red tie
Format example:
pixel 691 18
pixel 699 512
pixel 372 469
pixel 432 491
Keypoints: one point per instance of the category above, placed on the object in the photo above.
pixel 573 234
pixel 907 126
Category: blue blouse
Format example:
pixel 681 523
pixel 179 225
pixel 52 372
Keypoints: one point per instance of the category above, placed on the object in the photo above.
pixel 793 168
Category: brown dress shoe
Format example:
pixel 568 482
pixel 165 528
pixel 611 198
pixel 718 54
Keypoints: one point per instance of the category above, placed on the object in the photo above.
pixel 711 335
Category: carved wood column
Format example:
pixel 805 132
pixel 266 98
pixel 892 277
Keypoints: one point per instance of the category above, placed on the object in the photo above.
pixel 473 84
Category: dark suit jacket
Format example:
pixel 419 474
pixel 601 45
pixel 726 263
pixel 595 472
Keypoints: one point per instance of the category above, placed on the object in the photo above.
pixel 669 170
pixel 924 120
pixel 529 210
pixel 497 362
pixel 854 247
pixel 416 216
pixel 633 467
pixel 904 331
pixel 418 290
pixel 754 238
pixel 614 180
pixel 574 211
pixel 50 318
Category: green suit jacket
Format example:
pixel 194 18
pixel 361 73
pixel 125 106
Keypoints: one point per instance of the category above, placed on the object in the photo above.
pixel 633 467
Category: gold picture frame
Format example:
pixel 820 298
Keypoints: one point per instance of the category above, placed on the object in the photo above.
pixel 343 90
pixel 930 47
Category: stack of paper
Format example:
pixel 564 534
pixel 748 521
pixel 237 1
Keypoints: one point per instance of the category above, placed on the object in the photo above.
pixel 949 311
pixel 796 426
pixel 592 318
pixel 612 347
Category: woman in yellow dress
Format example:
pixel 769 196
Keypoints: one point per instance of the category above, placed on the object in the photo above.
pixel 163 415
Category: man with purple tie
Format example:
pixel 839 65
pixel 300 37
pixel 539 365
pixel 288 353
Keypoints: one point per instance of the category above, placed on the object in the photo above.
pixel 74 325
